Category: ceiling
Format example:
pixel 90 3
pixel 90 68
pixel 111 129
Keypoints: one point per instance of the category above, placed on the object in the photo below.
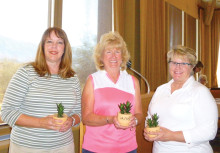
pixel 205 3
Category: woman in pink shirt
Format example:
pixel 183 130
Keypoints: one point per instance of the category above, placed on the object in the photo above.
pixel 103 92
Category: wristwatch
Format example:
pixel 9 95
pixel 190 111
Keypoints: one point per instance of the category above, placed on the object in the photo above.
pixel 73 120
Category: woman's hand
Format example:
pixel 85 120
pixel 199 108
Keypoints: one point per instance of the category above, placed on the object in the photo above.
pixel 132 123
pixel 117 124
pixel 49 123
pixel 163 135
pixel 146 135
pixel 66 125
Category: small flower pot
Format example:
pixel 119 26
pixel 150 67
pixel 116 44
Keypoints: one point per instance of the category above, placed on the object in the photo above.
pixel 152 129
pixel 124 119
pixel 63 119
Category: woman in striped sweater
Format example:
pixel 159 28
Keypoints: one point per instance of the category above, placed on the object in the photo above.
pixel 32 94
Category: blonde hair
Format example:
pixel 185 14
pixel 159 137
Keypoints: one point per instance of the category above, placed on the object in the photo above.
pixel 183 53
pixel 113 40
pixel 40 65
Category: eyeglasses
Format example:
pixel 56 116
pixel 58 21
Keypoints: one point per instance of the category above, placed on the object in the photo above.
pixel 176 63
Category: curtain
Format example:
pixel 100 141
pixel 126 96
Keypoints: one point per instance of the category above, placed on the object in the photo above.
pixel 151 27
pixel 127 23
pixel 153 42
pixel 215 42
pixel 210 36
pixel 142 24
pixel 119 16
pixel 205 43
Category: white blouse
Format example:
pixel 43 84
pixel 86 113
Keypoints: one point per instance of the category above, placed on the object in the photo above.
pixel 191 109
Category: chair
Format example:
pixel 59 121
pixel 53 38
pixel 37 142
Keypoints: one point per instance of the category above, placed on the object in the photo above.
pixel 82 129
pixel 215 92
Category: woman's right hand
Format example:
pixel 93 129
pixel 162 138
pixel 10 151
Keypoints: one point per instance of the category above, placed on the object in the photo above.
pixel 49 123
pixel 147 137
pixel 165 135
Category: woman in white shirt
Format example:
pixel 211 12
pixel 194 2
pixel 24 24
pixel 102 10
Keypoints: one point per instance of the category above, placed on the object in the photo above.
pixel 187 111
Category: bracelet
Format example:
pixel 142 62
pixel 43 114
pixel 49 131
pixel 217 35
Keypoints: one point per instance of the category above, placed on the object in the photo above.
pixel 136 121
pixel 73 120
pixel 107 120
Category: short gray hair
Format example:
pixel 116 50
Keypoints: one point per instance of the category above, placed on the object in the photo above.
pixel 182 52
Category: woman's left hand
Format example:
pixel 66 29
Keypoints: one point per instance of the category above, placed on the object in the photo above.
pixel 66 125
pixel 132 123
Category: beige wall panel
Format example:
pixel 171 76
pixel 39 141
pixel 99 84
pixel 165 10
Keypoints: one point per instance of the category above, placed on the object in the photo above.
pixel 104 17
pixel 58 13
pixel 175 26
pixel 190 32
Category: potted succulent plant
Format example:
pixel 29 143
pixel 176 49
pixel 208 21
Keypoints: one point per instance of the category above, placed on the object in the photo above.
pixel 124 114
pixel 60 115
pixel 153 124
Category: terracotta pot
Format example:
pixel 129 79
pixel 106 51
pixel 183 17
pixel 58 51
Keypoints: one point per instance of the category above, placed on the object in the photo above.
pixel 124 119
pixel 153 129
pixel 63 119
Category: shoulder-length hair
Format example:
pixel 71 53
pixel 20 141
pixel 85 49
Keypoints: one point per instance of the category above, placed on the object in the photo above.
pixel 113 40
pixel 65 68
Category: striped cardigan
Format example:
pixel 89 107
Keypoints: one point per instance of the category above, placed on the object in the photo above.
pixel 36 96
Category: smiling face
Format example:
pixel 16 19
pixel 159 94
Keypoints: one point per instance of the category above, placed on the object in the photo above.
pixel 54 48
pixel 112 58
pixel 180 72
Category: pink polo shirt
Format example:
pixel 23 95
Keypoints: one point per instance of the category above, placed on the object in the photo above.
pixel 108 139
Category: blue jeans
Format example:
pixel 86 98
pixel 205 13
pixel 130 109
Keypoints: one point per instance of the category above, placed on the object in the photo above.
pixel 133 151
pixel 87 151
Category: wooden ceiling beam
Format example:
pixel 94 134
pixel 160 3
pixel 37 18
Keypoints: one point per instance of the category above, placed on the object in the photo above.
pixel 188 6
pixel 201 3
pixel 209 10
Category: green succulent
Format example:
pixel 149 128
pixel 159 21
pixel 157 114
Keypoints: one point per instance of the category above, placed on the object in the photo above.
pixel 60 110
pixel 125 107
pixel 153 121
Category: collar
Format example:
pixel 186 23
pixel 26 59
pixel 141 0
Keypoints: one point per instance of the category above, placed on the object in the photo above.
pixel 189 81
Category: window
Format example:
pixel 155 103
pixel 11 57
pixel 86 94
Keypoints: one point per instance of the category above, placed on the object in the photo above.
pixel 24 21
pixel 22 25
pixel 80 20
